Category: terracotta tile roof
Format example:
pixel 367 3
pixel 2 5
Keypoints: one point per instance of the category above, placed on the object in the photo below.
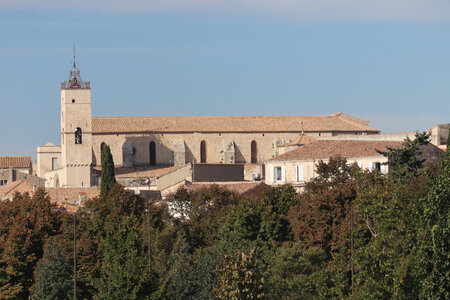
pixel 137 172
pixel 59 195
pixel 21 186
pixel 337 122
pixel 15 161
pixel 326 149
pixel 301 139
pixel 240 187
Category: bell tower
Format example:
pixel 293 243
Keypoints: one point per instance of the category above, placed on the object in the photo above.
pixel 76 130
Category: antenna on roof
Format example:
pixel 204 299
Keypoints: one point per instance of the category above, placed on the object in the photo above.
pixel 74 65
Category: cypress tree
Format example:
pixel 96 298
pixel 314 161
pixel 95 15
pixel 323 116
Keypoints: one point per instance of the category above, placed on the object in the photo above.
pixel 108 177
pixel 54 279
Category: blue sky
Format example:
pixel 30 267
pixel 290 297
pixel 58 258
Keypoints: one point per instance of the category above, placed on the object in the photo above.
pixel 387 62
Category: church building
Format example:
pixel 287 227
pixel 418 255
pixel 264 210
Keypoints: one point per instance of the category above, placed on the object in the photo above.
pixel 170 141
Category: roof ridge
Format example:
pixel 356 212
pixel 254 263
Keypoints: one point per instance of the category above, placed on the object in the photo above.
pixel 360 125
pixel 293 124
pixel 247 116
pixel 333 148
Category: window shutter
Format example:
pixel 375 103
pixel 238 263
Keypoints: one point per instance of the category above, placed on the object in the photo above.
pixel 283 173
pixel 360 164
pixel 300 173
pixel 370 166
pixel 383 169
pixel 272 174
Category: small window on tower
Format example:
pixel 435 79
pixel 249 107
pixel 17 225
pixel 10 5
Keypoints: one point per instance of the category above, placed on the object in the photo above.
pixel 73 100
pixel 78 136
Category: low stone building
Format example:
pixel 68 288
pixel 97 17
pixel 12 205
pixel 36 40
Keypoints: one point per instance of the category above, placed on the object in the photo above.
pixel 20 164
pixel 10 175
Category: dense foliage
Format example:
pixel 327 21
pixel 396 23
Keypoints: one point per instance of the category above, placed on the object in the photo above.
pixel 350 234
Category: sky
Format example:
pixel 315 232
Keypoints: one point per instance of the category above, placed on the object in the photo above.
pixel 386 61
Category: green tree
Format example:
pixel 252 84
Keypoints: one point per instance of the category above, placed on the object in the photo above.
pixel 296 272
pixel 123 273
pixel 54 274
pixel 25 225
pixel 275 205
pixel 432 215
pixel 405 162
pixel 117 225
pixel 322 220
pixel 202 212
pixel 385 258
pixel 238 277
pixel 108 177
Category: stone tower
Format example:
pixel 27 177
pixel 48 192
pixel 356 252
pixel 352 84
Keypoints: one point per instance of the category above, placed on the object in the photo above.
pixel 76 131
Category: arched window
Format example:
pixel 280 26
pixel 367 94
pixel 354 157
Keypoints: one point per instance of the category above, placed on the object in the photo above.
pixel 152 152
pixel 78 136
pixel 203 152
pixel 254 153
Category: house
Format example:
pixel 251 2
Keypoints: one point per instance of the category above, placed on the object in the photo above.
pixel 298 166
pixel 7 191
pixel 10 165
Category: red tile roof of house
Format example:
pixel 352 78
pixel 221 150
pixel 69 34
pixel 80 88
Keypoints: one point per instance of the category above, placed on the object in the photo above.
pixel 58 195
pixel 21 186
pixel 15 161
pixel 326 149
pixel 333 123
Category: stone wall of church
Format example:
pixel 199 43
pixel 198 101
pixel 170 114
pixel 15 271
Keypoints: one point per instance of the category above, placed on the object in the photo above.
pixel 217 145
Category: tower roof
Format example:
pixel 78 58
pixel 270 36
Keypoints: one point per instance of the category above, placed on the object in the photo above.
pixel 75 81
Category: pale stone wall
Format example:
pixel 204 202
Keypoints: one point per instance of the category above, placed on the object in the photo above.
pixel 44 159
pixel 53 178
pixel 215 146
pixel 175 177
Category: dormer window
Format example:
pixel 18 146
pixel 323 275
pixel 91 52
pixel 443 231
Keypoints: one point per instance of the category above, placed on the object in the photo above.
pixel 78 136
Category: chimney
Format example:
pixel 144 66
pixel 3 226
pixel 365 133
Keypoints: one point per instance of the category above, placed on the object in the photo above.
pixel 82 198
